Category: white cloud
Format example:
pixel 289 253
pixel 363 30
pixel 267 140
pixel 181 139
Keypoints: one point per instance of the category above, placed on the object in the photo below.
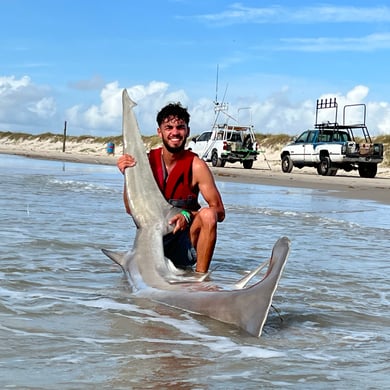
pixel 376 115
pixel 44 108
pixel 107 116
pixel 22 103
pixel 237 13
pixel 379 117
pixel 279 113
pixel 104 116
pixel 11 84
pixel 28 107
pixel 367 43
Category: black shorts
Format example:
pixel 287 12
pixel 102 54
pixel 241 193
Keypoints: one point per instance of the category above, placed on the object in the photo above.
pixel 178 248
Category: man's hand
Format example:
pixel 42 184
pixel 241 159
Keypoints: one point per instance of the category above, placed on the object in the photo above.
pixel 179 221
pixel 125 161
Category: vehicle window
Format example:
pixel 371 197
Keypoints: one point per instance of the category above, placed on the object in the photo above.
pixel 324 137
pixel 311 137
pixel 236 137
pixel 340 137
pixel 303 137
pixel 205 136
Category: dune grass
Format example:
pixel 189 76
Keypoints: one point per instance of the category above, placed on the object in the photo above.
pixel 266 141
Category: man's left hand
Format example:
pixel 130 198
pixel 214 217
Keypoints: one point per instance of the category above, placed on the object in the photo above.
pixel 179 221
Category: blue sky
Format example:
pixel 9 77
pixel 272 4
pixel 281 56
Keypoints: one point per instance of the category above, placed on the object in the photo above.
pixel 70 60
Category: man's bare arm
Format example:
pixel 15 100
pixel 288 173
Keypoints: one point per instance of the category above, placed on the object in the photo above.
pixel 203 177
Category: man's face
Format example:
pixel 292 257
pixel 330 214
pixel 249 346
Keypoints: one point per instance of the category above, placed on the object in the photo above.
pixel 173 132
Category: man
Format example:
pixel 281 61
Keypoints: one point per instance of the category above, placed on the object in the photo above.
pixel 181 175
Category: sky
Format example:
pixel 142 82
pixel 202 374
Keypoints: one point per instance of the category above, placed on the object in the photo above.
pixel 69 60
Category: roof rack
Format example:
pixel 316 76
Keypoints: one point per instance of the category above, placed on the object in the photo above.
pixel 333 124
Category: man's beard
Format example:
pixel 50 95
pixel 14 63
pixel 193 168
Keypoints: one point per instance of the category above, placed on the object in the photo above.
pixel 175 149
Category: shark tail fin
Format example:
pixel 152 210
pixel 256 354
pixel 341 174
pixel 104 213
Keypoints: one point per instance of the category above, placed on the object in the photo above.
pixel 116 257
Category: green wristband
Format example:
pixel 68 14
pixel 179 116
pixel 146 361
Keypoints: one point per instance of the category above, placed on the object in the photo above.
pixel 187 216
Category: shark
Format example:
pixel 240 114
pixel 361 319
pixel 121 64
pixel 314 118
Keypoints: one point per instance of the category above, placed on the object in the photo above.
pixel 153 276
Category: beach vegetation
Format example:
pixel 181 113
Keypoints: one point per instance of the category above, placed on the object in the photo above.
pixel 16 136
pixel 274 142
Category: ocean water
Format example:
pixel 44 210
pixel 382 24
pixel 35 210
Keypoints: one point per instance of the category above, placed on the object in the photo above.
pixel 68 320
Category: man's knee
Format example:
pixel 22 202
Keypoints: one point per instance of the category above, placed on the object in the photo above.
pixel 208 217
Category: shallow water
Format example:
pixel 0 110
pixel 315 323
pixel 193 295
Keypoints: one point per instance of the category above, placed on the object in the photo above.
pixel 68 320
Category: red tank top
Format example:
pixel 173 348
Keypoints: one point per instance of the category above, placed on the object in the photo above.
pixel 177 186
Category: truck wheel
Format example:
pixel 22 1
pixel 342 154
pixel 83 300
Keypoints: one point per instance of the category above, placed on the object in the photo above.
pixel 216 161
pixel 324 167
pixel 287 164
pixel 248 164
pixel 332 172
pixel 368 170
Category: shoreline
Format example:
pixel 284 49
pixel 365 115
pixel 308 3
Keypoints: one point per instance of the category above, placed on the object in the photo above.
pixel 345 185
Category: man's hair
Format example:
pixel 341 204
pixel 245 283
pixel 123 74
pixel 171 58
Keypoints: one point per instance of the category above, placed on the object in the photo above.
pixel 173 110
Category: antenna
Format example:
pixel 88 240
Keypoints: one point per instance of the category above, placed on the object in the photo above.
pixel 216 85
pixel 220 106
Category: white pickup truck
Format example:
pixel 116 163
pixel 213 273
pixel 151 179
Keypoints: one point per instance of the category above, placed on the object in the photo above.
pixel 332 146
pixel 226 143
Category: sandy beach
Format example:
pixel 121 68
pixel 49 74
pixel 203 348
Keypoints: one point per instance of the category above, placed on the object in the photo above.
pixel 266 170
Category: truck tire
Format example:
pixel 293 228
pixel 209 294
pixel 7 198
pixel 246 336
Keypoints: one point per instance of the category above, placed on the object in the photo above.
pixel 216 161
pixel 332 172
pixel 324 167
pixel 248 164
pixel 368 170
pixel 287 164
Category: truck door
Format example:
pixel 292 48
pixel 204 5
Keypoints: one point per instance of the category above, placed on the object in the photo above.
pixel 297 149
pixel 309 146
pixel 202 142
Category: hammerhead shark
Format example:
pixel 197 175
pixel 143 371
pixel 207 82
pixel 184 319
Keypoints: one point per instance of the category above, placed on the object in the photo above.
pixel 153 276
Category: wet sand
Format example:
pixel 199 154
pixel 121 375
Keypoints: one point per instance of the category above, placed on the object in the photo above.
pixel 343 185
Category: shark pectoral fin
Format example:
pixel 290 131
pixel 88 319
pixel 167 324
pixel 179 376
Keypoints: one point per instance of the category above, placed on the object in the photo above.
pixel 172 269
pixel 116 257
